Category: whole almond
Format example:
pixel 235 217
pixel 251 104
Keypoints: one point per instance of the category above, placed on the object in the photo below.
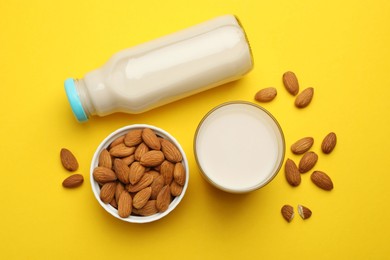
pixel 117 141
pixel 129 159
pixel 118 191
pixel 307 162
pixel 176 189
pixel 163 199
pixel 141 149
pixel 121 170
pixel 125 205
pixel 171 152
pixel 302 145
pixel 105 159
pixel 136 172
pixel 103 174
pixel 290 82
pixel 150 138
pixel 179 174
pixel 304 98
pixel 147 210
pixel 152 158
pixel 107 192
pixel 133 137
pixel 166 171
pixel 142 197
pixel 322 180
pixel 266 94
pixel 121 150
pixel 304 212
pixel 287 212
pixel 68 160
pixel 157 184
pixel 73 181
pixel 144 182
pixel 329 143
pixel 293 176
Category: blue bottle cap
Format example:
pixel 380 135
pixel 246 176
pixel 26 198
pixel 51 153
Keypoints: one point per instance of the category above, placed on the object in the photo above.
pixel 74 100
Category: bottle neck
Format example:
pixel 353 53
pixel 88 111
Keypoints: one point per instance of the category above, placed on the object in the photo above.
pixel 88 107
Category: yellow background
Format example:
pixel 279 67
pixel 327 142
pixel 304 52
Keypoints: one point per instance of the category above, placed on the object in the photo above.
pixel 341 48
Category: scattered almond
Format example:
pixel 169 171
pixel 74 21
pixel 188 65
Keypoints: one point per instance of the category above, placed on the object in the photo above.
pixel 304 212
pixel 73 181
pixel 329 143
pixel 307 162
pixel 266 94
pixel 68 160
pixel 287 212
pixel 302 145
pixel 290 82
pixel 322 180
pixel 304 98
pixel 293 176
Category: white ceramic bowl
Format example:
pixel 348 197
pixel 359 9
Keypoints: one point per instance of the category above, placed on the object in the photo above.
pixel 95 186
pixel 239 147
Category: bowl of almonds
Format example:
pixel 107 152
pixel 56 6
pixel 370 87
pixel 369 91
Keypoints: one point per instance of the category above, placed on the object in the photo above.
pixel 139 173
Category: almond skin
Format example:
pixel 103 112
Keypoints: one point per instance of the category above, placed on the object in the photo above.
pixel 304 98
pixel 107 192
pixel 144 182
pixel 125 205
pixel 170 151
pixel 179 174
pixel 136 172
pixel 117 141
pixel 142 197
pixel 287 212
pixel 290 82
pixel 293 176
pixel 163 199
pixel 166 170
pixel 322 180
pixel 68 160
pixel 103 174
pixel 73 181
pixel 266 94
pixel 121 150
pixel 133 137
pixel 176 189
pixel 105 159
pixel 152 158
pixel 118 190
pixel 147 210
pixel 157 184
pixel 121 170
pixel 304 212
pixel 141 149
pixel 329 143
pixel 302 145
pixel 150 138
pixel 307 162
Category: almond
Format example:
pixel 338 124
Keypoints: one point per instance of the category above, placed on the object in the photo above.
pixel 121 170
pixel 157 184
pixel 129 159
pixel 107 192
pixel 179 174
pixel 329 143
pixel 121 150
pixel 118 190
pixel 304 98
pixel 114 204
pixel 176 189
pixel 150 138
pixel 68 160
pixel 152 158
pixel 133 137
pixel 155 174
pixel 103 174
pixel 73 181
pixel 304 212
pixel 166 171
pixel 290 82
pixel 125 205
pixel 136 172
pixel 292 173
pixel 171 152
pixel 163 199
pixel 266 94
pixel 287 212
pixel 141 149
pixel 105 159
pixel 142 197
pixel 302 145
pixel 147 210
pixel 322 180
pixel 308 161
pixel 144 182
pixel 117 141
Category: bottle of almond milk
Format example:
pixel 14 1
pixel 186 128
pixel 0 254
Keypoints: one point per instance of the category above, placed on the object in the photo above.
pixel 163 70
